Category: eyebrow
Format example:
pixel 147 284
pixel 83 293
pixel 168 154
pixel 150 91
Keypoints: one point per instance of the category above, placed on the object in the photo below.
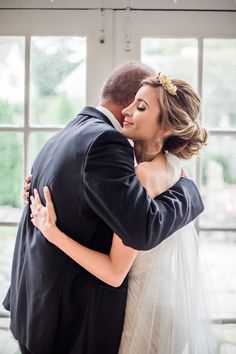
pixel 142 100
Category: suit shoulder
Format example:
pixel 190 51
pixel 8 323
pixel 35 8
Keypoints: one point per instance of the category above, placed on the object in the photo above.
pixel 109 145
pixel 111 137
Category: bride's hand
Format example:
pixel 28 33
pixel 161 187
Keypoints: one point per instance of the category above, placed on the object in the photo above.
pixel 43 217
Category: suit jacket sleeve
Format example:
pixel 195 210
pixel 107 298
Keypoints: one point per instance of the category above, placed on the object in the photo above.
pixel 115 194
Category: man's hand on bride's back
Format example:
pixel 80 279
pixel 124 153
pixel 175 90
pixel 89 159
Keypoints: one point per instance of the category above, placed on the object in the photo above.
pixel 26 189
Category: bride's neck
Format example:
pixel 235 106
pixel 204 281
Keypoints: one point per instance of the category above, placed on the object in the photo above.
pixel 145 152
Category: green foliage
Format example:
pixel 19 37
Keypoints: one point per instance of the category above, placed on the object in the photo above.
pixel 11 157
pixel 224 162
pixel 51 64
pixel 53 110
pixel 48 70
pixel 6 112
pixel 10 113
pixel 65 110
pixel 11 166
pixel 51 67
pixel 222 159
pixel 219 84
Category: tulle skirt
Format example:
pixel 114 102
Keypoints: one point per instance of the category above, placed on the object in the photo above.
pixel 168 308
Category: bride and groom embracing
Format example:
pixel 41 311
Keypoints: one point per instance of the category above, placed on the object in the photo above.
pixel 116 270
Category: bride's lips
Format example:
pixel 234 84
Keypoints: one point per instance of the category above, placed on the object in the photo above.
pixel 126 123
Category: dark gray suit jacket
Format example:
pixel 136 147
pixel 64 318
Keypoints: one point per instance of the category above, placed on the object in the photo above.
pixel 56 306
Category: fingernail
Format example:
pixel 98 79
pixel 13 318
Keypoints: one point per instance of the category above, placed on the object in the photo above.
pixel 46 189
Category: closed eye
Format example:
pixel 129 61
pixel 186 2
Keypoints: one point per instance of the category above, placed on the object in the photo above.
pixel 141 108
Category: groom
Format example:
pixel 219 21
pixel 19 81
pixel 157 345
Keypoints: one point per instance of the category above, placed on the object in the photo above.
pixel 56 306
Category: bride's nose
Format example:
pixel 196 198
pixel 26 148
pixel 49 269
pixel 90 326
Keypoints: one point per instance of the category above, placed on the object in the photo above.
pixel 127 111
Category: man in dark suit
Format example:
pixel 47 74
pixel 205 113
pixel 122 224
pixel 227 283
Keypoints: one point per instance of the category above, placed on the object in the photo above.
pixel 56 306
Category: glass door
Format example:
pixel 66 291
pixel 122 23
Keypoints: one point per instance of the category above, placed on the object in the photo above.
pixel 199 47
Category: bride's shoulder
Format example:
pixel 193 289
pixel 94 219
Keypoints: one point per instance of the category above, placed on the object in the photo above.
pixel 142 170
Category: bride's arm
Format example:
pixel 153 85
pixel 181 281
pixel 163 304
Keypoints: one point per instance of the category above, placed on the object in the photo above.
pixel 112 268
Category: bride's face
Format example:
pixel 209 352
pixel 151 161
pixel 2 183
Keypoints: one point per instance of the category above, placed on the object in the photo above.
pixel 142 116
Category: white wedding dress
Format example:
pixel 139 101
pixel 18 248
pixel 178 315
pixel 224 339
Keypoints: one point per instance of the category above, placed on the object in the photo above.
pixel 166 310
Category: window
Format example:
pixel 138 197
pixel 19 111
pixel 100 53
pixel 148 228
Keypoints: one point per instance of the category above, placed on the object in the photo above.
pixel 12 70
pixel 45 73
pixel 215 169
pixel 48 73
pixel 33 107
pixel 56 92
pixel 176 58
pixel 57 79
pixel 218 182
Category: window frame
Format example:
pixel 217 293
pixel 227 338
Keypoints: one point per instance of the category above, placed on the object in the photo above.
pixel 179 24
pixel 28 24
pixel 123 30
pixel 115 50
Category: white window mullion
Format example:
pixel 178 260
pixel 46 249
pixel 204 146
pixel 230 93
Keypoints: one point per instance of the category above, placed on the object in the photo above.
pixel 200 90
pixel 200 65
pixel 26 105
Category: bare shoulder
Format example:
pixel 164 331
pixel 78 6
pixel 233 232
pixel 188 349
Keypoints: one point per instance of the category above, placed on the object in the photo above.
pixel 143 172
pixel 154 176
pixel 150 169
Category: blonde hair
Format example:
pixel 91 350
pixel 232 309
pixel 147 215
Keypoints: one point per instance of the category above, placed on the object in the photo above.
pixel 179 114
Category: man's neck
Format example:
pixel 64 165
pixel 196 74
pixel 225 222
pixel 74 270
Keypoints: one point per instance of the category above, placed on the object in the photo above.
pixel 115 110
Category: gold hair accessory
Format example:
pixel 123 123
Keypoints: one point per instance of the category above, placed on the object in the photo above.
pixel 166 83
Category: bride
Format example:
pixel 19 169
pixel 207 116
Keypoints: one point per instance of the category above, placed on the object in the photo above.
pixel 166 310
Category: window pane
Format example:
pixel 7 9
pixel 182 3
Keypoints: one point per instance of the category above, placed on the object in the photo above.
pixel 219 249
pixel 176 58
pixel 7 240
pixel 189 167
pixel 12 80
pixel 219 77
pixel 219 182
pixel 11 173
pixel 58 78
pixel 37 140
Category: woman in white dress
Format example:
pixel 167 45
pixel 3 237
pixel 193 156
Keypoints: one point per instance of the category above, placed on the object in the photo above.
pixel 166 311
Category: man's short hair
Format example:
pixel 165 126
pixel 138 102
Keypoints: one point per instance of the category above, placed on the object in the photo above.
pixel 124 82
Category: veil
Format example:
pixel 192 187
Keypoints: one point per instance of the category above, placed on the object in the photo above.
pixel 173 312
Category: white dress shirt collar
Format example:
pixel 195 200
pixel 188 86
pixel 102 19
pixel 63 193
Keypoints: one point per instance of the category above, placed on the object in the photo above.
pixel 115 124
pixel 111 117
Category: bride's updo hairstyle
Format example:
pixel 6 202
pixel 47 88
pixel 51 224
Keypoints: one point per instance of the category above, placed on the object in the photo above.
pixel 180 109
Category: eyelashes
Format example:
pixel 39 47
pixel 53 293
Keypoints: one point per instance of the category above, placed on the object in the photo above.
pixel 141 109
